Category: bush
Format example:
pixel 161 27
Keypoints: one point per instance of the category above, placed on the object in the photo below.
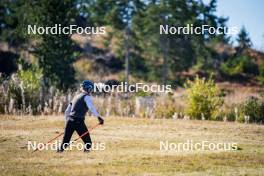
pixel 30 79
pixel 30 84
pixel 228 113
pixel 165 107
pixel 231 115
pixel 24 89
pixel 261 73
pixel 254 108
pixel 202 99
pixel 238 65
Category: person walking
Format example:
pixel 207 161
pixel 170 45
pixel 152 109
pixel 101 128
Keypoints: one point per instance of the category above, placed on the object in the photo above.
pixel 75 117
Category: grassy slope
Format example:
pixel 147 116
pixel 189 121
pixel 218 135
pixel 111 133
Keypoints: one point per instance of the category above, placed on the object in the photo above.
pixel 132 148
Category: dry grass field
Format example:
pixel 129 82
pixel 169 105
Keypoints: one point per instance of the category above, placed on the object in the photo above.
pixel 132 148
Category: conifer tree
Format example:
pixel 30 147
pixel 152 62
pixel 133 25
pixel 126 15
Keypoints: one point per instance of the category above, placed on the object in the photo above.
pixel 55 52
pixel 243 39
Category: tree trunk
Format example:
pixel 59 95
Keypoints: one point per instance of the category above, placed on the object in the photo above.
pixel 127 55
pixel 164 47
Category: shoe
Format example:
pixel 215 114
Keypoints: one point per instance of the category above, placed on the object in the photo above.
pixel 59 151
pixel 87 151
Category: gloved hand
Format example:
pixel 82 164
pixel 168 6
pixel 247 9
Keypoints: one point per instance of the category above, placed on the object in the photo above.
pixel 101 120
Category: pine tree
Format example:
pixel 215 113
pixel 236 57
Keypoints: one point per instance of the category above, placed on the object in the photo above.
pixel 243 39
pixel 119 15
pixel 165 54
pixel 9 17
pixel 55 53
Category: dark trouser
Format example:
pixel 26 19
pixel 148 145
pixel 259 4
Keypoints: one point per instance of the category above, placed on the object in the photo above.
pixel 81 128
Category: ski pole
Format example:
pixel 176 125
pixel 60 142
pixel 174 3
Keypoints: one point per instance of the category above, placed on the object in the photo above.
pixel 93 127
pixel 50 140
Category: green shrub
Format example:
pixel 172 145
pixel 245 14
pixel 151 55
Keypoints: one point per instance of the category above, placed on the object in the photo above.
pixel 30 84
pixel 202 98
pixel 232 114
pixel 30 79
pixel 254 108
pixel 238 65
pixel 261 73
pixel 24 89
pixel 228 113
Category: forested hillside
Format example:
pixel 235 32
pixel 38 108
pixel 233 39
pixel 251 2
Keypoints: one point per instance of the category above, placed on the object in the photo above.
pixel 132 42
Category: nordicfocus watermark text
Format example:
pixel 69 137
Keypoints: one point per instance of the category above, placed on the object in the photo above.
pixel 190 29
pixel 189 145
pixel 138 87
pixel 58 29
pixel 68 146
